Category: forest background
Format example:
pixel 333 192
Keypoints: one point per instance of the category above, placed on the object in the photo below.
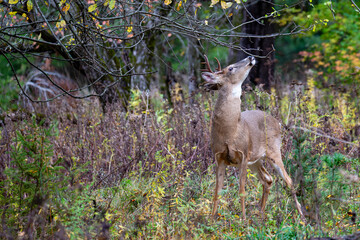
pixel 105 128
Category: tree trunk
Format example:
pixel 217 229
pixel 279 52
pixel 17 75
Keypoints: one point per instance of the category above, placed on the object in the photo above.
pixel 263 72
pixel 193 58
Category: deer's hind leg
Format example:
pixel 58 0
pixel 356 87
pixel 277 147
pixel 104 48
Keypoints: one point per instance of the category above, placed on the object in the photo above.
pixel 265 179
pixel 277 163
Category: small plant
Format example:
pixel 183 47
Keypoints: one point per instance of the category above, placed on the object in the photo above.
pixel 36 189
pixel 32 177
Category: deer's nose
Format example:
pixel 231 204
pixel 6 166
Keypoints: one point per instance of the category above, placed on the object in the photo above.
pixel 252 60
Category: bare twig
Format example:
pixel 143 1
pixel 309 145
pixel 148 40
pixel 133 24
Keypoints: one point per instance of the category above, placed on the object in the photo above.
pixel 354 5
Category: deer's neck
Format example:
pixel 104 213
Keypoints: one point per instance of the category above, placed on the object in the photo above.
pixel 227 114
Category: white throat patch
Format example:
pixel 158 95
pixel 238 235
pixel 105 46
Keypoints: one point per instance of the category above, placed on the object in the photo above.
pixel 236 92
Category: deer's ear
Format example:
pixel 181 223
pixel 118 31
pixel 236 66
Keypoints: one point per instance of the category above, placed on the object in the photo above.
pixel 209 77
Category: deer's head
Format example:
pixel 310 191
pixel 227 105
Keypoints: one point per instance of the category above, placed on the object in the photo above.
pixel 232 76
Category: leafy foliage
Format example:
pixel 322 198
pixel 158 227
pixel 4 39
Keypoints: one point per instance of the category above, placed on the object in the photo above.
pixel 334 56
pixel 9 90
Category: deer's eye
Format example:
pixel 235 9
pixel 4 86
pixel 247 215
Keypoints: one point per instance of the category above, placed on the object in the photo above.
pixel 230 69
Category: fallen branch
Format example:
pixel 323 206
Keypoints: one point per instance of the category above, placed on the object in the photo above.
pixel 323 135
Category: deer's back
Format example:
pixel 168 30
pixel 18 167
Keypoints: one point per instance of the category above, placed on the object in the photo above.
pixel 265 133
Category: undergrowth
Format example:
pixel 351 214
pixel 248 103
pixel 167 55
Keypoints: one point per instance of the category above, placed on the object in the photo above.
pixel 149 172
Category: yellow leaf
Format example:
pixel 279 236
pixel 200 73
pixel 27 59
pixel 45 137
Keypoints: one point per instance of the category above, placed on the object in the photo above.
pixel 66 7
pixel 60 24
pixel 213 2
pixel 108 216
pixel 24 15
pixel 13 1
pixel 237 1
pixel 161 191
pixel 29 5
pixel 92 7
pixel 112 4
pixel 179 6
pixel 167 2
pixel 12 13
pixel 225 5
pixel 129 29
pixel 106 3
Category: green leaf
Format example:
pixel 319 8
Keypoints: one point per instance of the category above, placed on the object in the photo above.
pixel 29 5
pixel 112 4
pixel 92 7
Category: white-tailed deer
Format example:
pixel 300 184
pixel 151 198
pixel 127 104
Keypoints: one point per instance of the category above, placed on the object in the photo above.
pixel 243 139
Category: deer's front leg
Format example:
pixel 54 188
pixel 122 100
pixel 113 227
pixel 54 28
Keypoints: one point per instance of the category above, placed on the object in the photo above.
pixel 242 180
pixel 220 173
